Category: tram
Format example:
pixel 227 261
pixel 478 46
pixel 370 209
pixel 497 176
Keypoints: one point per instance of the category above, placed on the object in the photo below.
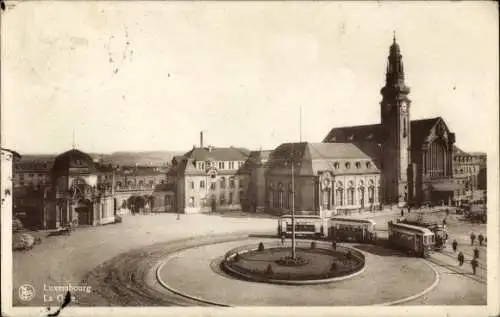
pixel 352 230
pixel 305 226
pixel 412 239
pixel 432 223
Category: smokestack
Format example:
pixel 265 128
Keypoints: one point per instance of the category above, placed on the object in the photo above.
pixel 201 139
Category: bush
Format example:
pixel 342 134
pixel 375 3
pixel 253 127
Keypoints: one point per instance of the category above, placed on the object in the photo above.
pixel 334 267
pixel 348 255
pixel 313 245
pixel 17 225
pixel 118 219
pixel 269 270
pixel 261 246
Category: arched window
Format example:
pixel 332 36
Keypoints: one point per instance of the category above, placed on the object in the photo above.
pixel 347 165
pixel 371 192
pixel 231 182
pixel 350 194
pixel 339 194
pixel 222 182
pixel 281 196
pixel 404 128
pixel 361 195
pixel 358 165
pixel 336 165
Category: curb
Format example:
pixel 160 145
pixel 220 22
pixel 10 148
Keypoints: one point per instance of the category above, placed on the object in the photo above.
pixel 173 290
pixel 422 293
pixel 251 278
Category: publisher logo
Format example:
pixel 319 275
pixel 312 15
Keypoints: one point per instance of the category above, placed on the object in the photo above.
pixel 26 292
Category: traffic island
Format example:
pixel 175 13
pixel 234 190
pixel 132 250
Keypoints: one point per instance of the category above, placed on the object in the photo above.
pixel 313 263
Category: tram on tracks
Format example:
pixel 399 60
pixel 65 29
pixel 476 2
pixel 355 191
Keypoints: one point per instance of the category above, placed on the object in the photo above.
pixel 412 239
pixel 305 226
pixel 432 223
pixel 340 229
pixel 352 230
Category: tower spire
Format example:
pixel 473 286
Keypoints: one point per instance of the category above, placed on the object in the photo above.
pixel 74 145
pixel 393 37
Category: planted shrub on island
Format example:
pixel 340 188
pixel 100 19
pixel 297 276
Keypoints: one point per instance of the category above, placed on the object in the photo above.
pixel 261 246
pixel 313 245
pixel 269 270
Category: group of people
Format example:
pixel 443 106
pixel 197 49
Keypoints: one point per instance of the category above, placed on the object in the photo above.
pixel 461 258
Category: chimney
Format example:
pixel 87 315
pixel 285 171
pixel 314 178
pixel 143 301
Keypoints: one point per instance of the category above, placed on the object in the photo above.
pixel 201 139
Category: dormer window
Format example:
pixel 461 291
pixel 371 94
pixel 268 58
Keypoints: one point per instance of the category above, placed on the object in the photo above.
pixel 347 165
pixel 336 165
pixel 368 164
pixel 358 165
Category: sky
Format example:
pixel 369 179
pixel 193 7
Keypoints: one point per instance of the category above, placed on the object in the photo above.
pixel 140 76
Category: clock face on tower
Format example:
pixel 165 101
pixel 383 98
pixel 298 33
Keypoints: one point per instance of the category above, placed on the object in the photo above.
pixel 404 106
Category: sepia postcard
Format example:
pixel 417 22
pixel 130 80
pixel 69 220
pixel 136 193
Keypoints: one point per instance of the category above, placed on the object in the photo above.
pixel 246 158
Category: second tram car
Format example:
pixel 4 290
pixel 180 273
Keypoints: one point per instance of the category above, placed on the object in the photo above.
pixel 352 230
pixel 415 240
pixel 305 226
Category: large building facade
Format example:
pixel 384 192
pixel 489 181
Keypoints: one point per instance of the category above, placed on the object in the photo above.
pixel 75 189
pixel 469 171
pixel 323 178
pixel 208 179
pixel 416 158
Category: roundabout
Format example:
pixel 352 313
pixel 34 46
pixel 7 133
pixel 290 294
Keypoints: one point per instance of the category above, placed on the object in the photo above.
pixel 315 262
pixel 189 272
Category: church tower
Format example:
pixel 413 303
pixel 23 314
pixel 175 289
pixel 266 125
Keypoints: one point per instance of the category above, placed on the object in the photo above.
pixel 395 115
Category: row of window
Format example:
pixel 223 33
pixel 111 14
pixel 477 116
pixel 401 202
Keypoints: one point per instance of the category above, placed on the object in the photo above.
pixel 141 183
pixel 222 165
pixel 204 202
pixel 283 199
pixel 31 175
pixel 467 169
pixel 347 165
pixel 463 158
pixel 222 183
pixel 371 183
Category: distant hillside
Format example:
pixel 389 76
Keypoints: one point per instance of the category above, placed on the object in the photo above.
pixel 118 158
pixel 140 158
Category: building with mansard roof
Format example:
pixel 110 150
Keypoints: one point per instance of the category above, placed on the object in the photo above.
pixel 328 178
pixel 208 179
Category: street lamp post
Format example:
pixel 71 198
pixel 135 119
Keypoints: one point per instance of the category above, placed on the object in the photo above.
pixel 293 210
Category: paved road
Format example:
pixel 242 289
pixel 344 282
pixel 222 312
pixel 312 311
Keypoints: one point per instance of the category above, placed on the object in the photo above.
pixel 67 259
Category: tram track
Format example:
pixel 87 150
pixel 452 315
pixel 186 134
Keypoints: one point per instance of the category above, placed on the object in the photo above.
pixel 477 278
pixel 127 280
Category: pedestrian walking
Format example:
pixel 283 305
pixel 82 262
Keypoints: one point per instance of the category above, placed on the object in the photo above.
pixel 472 238
pixel 402 212
pixel 444 222
pixel 474 265
pixel 480 238
pixel 454 245
pixel 476 253
pixel 461 258
pixel 282 239
pixel 334 245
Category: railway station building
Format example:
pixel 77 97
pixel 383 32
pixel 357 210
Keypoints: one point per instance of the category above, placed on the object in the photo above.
pixel 416 156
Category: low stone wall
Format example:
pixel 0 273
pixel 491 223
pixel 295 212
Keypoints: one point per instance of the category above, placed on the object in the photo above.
pixel 228 264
